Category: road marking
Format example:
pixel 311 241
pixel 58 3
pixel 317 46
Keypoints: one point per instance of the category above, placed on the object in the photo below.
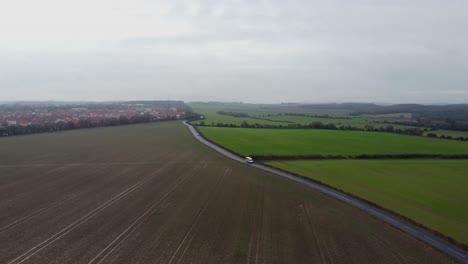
pixel 411 229
pixel 433 241
pixel 456 253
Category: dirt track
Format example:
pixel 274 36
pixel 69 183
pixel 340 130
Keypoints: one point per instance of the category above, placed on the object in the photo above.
pixel 152 194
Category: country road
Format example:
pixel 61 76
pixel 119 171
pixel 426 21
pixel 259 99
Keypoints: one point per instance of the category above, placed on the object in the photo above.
pixel 424 235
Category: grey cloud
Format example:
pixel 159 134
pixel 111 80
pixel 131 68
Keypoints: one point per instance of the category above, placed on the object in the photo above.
pixel 265 51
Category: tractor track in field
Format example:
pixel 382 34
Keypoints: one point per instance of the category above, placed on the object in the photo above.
pixel 56 203
pixel 80 164
pixel 260 225
pixel 44 244
pixel 195 220
pixel 316 237
pixel 121 238
pixel 395 254
pixel 41 188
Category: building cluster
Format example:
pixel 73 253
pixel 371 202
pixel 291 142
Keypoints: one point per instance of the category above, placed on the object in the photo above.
pixel 42 116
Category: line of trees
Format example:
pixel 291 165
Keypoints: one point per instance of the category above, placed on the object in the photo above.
pixel 192 116
pixel 234 114
pixel 57 106
pixel 12 130
pixel 245 115
pixel 318 116
pixel 362 156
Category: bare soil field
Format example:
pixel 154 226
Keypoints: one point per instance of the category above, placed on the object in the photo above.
pixel 152 194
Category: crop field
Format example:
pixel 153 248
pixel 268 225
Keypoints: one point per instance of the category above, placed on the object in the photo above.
pixel 268 108
pixel 399 116
pixel 264 117
pixel 359 122
pixel 432 192
pixel 249 141
pixel 152 194
pixel 451 133
pixel 212 118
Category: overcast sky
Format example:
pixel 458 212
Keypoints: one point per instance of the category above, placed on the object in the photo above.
pixel 244 50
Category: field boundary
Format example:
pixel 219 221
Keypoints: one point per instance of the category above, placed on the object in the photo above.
pixel 267 157
pixel 438 234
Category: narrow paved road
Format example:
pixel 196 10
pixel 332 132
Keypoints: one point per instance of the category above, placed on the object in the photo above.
pixel 424 235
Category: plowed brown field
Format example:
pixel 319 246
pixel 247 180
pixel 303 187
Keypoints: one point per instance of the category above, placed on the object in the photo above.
pixel 153 194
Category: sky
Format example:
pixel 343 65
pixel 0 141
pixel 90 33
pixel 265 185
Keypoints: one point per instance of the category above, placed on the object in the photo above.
pixel 387 51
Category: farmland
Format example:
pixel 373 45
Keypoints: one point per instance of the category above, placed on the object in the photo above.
pixel 258 115
pixel 432 192
pixel 280 115
pixel 359 121
pixel 152 194
pixel 327 142
pixel 399 185
pixel 212 117
pixel 451 133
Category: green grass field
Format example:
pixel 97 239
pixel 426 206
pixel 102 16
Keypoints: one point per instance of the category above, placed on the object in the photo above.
pixel 249 141
pixel 212 118
pixel 305 120
pixel 358 121
pixel 451 133
pixel 277 118
pixel 432 192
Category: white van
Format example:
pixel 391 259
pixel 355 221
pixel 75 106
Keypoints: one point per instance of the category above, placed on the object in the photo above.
pixel 249 160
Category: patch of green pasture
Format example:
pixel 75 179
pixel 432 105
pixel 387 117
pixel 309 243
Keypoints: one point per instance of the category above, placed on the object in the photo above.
pixel 249 141
pixel 451 133
pixel 212 118
pixel 223 106
pixel 305 120
pixel 395 116
pixel 432 192
pixel 353 121
pixel 277 118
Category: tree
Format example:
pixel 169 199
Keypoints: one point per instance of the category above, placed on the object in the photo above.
pixel 317 125
pixel 124 120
